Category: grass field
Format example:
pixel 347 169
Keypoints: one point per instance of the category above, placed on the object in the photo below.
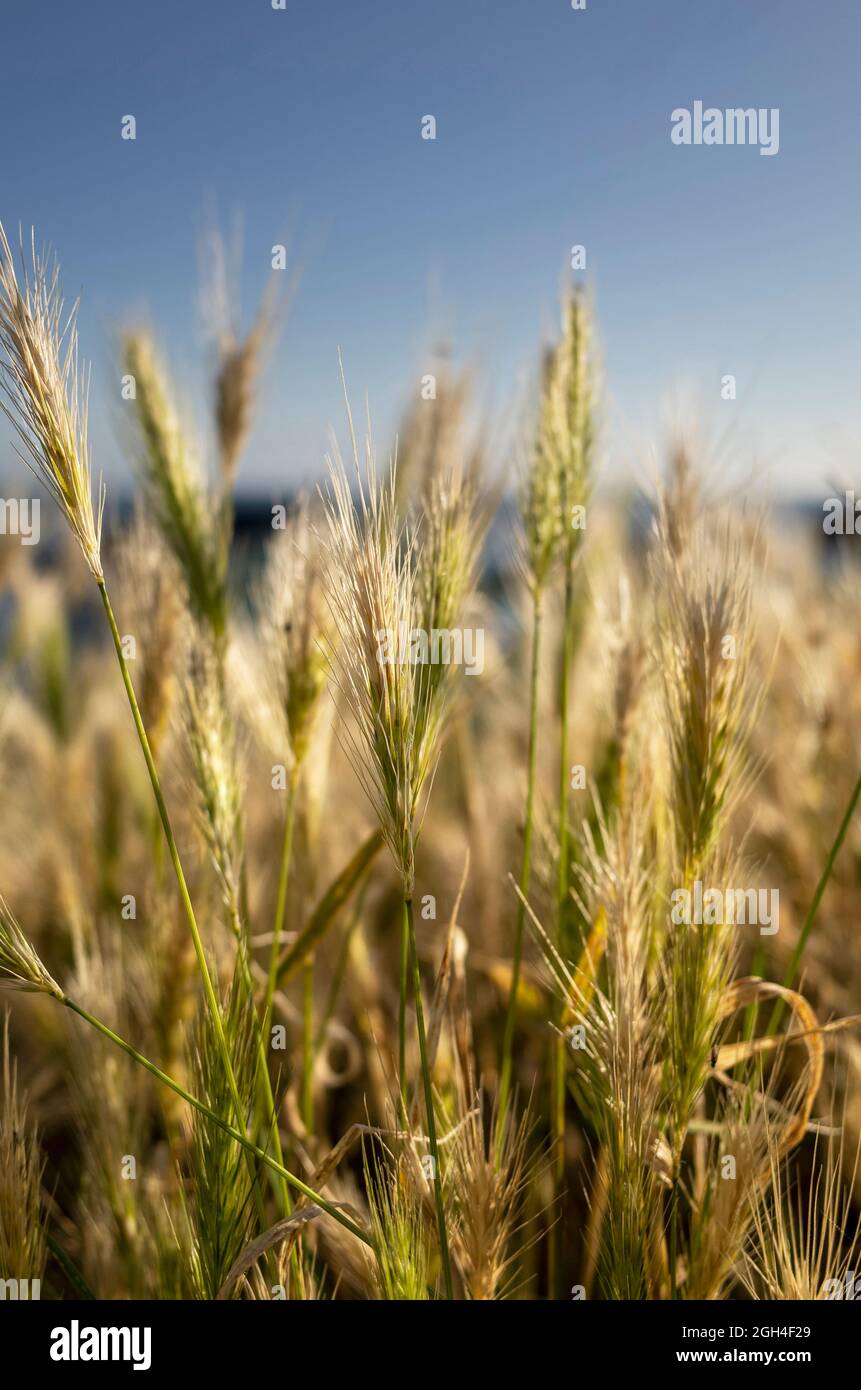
pixel 376 932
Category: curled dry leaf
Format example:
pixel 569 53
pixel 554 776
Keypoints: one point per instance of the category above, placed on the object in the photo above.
pixel 267 1241
pixel 751 990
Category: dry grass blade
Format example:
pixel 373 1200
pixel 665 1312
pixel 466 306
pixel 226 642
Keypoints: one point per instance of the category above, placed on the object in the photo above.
pixel 752 991
pixel 269 1240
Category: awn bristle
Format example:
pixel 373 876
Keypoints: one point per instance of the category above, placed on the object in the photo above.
pixel 19 962
pixel 22 1233
pixel 489 1174
pixel 401 1270
pixel 559 475
pixel 149 595
pixel 46 394
pixel 219 1202
pixel 294 633
pixel 239 359
pixel 211 741
pixel 372 592
pixel 798 1243
pixel 186 517
pixel 705 660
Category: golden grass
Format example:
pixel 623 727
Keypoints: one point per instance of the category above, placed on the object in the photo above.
pixel 346 1073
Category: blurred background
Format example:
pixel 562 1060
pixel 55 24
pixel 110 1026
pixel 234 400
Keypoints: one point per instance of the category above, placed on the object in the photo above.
pixel 553 130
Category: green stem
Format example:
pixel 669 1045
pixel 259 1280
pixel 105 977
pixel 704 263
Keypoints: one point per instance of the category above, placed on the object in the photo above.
pixel 564 684
pixel 71 1271
pixel 402 1013
pixel 308 1044
pixel 674 1229
pixel 789 977
pixel 263 1078
pixel 235 1134
pixel 525 868
pixel 428 1090
pixel 339 972
pixel 266 1098
pixel 281 904
pixel 208 989
pixel 752 1010
pixel 557 1070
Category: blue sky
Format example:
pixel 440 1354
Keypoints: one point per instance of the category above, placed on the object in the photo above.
pixel 553 128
